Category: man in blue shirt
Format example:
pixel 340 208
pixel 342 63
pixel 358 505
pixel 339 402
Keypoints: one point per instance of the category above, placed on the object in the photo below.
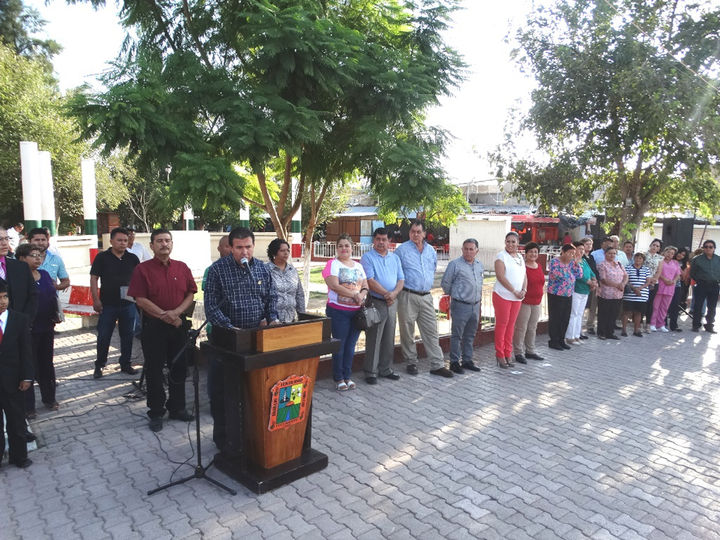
pixel 52 263
pixel 415 303
pixel 239 293
pixel 385 279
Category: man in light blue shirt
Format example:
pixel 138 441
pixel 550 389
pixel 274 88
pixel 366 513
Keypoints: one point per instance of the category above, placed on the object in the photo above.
pixel 385 279
pixel 52 263
pixel 415 303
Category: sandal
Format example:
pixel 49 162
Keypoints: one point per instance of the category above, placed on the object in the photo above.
pixel 350 384
pixel 341 386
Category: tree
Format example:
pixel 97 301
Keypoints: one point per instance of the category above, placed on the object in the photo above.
pixel 625 108
pixel 18 28
pixel 317 91
pixel 31 109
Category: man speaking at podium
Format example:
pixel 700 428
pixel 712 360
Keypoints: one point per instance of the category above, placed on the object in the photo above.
pixel 239 293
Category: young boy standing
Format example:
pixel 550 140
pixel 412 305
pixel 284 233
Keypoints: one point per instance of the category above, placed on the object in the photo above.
pixel 16 374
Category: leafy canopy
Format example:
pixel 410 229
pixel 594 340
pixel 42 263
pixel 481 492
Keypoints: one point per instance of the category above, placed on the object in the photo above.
pixel 333 89
pixel 625 109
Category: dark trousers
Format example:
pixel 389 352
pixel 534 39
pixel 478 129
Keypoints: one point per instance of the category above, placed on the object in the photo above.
pixel 608 310
pixel 124 315
pixel 12 404
pixel 679 298
pixel 161 342
pixel 559 308
pixel 705 291
pixel 216 393
pixel 43 344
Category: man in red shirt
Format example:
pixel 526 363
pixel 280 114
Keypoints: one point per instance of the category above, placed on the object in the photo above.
pixel 163 289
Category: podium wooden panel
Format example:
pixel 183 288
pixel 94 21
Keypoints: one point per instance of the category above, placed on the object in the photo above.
pixel 268 447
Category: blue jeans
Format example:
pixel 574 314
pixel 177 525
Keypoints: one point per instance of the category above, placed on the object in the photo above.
pixel 124 315
pixel 343 329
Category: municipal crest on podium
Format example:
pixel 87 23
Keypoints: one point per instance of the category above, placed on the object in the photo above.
pixel 288 402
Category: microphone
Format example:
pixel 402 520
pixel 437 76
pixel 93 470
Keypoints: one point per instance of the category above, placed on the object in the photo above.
pixel 244 264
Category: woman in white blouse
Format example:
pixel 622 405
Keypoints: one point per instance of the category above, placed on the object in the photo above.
pixel 508 293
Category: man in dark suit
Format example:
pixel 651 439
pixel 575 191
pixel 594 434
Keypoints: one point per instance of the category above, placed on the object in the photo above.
pixel 20 282
pixel 16 373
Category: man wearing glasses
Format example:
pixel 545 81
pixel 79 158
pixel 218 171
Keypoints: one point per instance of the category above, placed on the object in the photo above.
pixel 705 270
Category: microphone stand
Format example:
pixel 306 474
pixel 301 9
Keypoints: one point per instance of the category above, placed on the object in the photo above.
pixel 200 470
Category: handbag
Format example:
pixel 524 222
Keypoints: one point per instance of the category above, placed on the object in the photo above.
pixel 367 316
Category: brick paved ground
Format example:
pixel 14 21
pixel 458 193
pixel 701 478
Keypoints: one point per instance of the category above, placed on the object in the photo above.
pixel 609 440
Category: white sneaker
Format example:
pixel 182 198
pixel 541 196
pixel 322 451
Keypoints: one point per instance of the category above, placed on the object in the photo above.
pixel 663 329
pixel 652 328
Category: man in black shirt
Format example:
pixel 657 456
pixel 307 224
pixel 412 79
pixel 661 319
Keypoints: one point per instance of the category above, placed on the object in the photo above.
pixel 114 267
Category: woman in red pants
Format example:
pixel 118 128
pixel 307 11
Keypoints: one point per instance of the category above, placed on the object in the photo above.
pixel 508 293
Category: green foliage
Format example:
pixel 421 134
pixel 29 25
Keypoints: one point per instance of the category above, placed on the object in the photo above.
pixel 31 110
pixel 326 88
pixel 626 107
pixel 19 26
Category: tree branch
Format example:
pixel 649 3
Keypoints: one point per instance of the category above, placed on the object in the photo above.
pixel 194 36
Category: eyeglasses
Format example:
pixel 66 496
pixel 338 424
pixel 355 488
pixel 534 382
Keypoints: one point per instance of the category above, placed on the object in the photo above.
pixel 704 247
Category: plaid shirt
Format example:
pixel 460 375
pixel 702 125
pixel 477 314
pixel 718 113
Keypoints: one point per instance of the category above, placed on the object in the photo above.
pixel 251 296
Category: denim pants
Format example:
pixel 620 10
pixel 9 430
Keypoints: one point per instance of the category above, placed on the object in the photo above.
pixel 343 329
pixel 124 315
pixel 465 319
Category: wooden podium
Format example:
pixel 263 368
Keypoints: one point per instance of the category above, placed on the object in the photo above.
pixel 269 378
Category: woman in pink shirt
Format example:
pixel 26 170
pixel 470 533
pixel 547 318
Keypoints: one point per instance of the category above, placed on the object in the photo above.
pixel 668 274
pixel 613 278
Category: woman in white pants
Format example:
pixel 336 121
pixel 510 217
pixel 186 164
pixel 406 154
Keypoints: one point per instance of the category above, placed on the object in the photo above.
pixel 583 286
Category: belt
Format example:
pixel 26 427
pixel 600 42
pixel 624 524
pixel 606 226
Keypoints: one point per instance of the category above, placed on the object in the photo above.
pixel 706 282
pixel 419 293
pixel 464 302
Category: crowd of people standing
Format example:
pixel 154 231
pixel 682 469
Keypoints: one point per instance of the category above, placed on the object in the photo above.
pixel 132 288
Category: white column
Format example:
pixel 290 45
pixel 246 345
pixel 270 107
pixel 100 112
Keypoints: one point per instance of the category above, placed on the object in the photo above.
pixel 29 166
pixel 47 192
pixel 89 196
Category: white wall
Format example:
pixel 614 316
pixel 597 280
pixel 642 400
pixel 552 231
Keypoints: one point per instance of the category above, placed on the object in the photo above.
pixel 489 231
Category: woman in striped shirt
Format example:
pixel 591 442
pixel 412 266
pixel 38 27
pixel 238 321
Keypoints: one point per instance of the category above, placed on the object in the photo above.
pixel 636 293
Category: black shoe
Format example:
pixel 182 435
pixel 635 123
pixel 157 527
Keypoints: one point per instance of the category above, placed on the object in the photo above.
pixel 591 331
pixel 412 369
pixel 709 329
pixel 613 336
pixel 623 333
pixel 618 327
pixel 555 346
pixel 155 424
pixel 695 328
pixel 392 376
pixel 443 372
pixel 565 346
pixel 520 359
pixel 470 366
pixel 98 373
pixel 583 336
pixel 30 437
pixel 533 356
pixel 181 415
pixel 371 380
pixel 637 334
pixel 129 370
pixel 23 464
pixel 456 368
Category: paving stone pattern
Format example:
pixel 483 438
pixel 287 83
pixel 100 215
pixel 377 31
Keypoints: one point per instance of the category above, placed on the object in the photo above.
pixel 609 440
